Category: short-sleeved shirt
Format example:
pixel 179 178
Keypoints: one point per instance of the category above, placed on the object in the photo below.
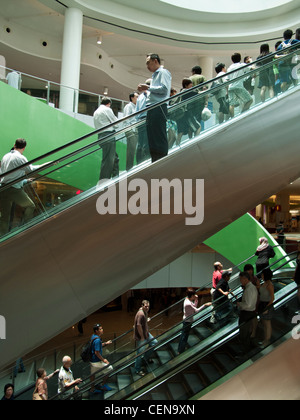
pixel 65 377
pixel 141 319
pixel 96 346
pixel 217 276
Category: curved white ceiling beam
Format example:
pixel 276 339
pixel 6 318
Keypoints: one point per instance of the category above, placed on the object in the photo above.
pixel 228 6
pixel 173 19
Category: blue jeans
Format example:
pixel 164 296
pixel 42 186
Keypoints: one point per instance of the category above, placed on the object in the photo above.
pixel 142 347
pixel 184 336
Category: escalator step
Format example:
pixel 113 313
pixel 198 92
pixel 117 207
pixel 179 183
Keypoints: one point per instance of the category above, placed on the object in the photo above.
pixel 174 347
pixel 227 362
pixel 159 396
pixel 123 381
pixel 210 371
pixel 202 331
pixel 194 382
pixel 177 391
pixel 164 356
pixel 193 340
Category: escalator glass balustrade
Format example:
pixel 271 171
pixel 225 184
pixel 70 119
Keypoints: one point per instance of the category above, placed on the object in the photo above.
pixel 84 167
pixel 213 349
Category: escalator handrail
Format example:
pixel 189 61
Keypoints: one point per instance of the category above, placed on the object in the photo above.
pixel 132 116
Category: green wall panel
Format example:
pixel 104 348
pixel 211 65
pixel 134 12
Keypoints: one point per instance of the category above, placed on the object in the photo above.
pixel 239 240
pixel 46 128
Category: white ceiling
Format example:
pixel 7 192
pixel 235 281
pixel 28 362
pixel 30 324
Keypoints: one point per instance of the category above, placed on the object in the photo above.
pixel 132 28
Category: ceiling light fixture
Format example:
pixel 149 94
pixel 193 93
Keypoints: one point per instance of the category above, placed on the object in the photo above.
pixel 99 40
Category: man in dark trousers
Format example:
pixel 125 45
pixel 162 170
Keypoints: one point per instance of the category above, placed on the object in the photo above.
pixel 159 90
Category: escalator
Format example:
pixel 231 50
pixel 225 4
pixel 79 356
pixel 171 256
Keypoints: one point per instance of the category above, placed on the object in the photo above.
pixel 213 352
pixel 70 260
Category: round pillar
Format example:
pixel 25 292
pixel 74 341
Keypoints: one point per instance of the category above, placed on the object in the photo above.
pixel 207 65
pixel 71 59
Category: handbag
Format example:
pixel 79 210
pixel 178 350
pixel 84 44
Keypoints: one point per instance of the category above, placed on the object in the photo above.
pixel 36 397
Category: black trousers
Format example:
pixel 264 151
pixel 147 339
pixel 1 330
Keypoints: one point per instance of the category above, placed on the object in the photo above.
pixel 157 132
pixel 245 324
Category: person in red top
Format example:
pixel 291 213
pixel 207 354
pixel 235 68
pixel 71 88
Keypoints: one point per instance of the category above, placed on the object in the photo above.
pixel 217 274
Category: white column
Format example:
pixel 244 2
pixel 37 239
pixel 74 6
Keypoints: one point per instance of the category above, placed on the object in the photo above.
pixel 71 58
pixel 207 65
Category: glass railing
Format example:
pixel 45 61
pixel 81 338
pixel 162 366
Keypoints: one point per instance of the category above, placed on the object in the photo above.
pixel 204 338
pixel 79 168
pixel 49 92
pixel 197 374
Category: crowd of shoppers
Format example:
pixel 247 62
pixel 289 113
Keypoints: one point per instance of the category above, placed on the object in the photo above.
pixel 166 124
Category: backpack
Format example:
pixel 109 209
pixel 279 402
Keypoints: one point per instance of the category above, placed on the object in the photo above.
pixel 86 351
pixel 286 45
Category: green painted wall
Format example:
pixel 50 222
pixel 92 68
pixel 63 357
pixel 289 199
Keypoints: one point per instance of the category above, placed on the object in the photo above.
pixel 239 240
pixel 46 128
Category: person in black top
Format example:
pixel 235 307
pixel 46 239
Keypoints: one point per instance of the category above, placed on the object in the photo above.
pixel 264 252
pixel 222 305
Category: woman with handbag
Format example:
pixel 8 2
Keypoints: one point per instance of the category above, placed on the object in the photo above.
pixel 41 389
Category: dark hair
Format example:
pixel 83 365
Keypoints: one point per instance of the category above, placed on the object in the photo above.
pixel 297 34
pixel 96 327
pixel 154 57
pixel 248 267
pixel 219 67
pixel 8 386
pixel 197 69
pixel 185 82
pixel 131 96
pixel 268 274
pixel 236 57
pixel 106 101
pixel 40 372
pixel 277 44
pixel 190 292
pixel 20 143
pixel 288 34
pixel 244 274
pixel 264 49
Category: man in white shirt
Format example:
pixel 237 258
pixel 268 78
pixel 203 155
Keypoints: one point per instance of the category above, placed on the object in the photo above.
pixel 104 116
pixel 189 308
pixel 247 309
pixel 131 134
pixel 238 95
pixel 15 193
pixel 66 382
